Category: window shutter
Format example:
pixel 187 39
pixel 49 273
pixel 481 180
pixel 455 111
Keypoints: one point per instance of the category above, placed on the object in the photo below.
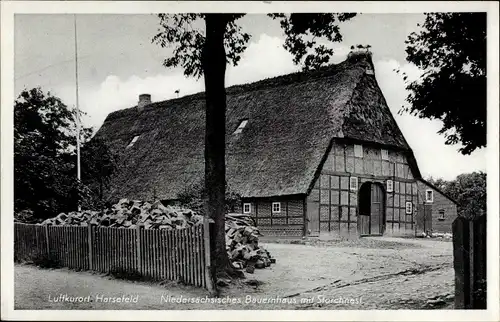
pixel 358 150
pixel 353 183
pixel 429 196
pixel 409 208
pixel 385 154
pixel 390 186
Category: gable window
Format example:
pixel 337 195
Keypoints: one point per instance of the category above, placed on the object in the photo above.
pixel 241 127
pixel 133 141
pixel 353 183
pixel 441 215
pixel 247 208
pixel 385 154
pixel 276 207
pixel 390 186
pixel 409 208
pixel 429 195
pixel 358 150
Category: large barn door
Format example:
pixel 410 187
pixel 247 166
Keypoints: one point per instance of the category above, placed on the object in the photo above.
pixel 364 209
pixel 371 209
pixel 376 210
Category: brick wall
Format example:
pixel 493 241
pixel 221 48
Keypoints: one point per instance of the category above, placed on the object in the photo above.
pixel 289 222
pixel 440 203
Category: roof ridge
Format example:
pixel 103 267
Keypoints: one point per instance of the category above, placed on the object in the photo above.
pixel 298 77
pixel 291 78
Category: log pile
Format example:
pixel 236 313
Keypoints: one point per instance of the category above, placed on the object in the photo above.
pixel 242 243
pixel 130 213
pixel 25 216
pixel 242 236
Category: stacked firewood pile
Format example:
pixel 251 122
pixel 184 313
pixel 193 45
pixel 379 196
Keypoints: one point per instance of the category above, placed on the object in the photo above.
pixel 128 214
pixel 241 234
pixel 25 216
pixel 242 243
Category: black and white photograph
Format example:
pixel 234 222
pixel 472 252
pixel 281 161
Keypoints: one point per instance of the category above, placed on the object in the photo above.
pixel 269 160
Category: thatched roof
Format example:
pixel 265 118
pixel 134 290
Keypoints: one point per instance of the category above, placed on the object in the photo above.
pixel 291 122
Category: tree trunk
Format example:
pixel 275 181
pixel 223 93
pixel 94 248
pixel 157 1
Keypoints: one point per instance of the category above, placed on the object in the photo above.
pixel 214 69
pixel 101 188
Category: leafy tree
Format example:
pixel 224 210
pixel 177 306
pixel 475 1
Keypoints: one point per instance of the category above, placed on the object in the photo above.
pixel 439 183
pixel 206 52
pixel 44 155
pixel 98 164
pixel 41 137
pixel 469 190
pixel 451 50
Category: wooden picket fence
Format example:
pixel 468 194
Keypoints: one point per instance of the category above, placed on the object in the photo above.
pixel 178 254
pixel 469 261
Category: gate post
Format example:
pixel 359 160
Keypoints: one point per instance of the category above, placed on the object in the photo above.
pixel 138 248
pixel 208 241
pixel 47 239
pixel 91 255
pixel 461 261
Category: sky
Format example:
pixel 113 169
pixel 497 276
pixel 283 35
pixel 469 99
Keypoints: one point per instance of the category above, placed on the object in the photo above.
pixel 117 62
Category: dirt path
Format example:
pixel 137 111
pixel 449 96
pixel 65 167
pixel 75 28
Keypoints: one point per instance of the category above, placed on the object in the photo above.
pixel 322 276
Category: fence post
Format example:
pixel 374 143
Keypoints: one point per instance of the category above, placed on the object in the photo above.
pixel 469 262
pixel 138 247
pixel 91 255
pixel 47 239
pixel 461 260
pixel 472 258
pixel 479 263
pixel 208 260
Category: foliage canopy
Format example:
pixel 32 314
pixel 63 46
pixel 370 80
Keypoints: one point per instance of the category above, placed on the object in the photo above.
pixel 45 160
pixel 450 48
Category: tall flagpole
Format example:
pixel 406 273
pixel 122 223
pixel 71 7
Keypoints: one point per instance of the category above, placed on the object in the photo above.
pixel 78 174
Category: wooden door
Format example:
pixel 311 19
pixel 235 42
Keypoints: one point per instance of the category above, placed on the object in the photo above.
pixel 420 220
pixel 427 217
pixel 364 209
pixel 424 219
pixel 313 219
pixel 376 210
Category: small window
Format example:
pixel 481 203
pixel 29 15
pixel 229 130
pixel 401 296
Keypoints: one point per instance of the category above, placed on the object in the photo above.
pixel 390 186
pixel 133 141
pixel 353 183
pixel 247 208
pixel 241 127
pixel 409 208
pixel 358 150
pixel 441 215
pixel 385 154
pixel 429 195
pixel 276 207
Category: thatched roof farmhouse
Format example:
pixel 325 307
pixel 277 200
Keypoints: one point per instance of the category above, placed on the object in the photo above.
pixel 311 152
